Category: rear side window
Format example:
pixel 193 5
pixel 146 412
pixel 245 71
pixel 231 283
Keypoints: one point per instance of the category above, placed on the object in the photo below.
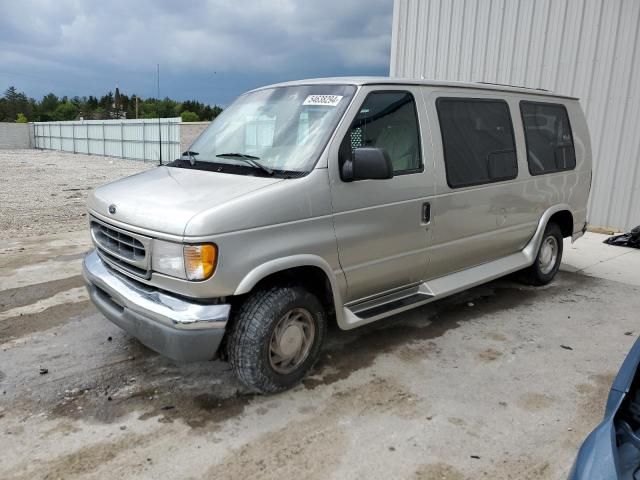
pixel 387 120
pixel 478 142
pixel 548 135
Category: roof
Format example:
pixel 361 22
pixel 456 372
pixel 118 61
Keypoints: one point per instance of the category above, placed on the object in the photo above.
pixel 413 81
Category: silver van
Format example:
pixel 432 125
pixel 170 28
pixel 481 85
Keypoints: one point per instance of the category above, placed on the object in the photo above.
pixel 335 200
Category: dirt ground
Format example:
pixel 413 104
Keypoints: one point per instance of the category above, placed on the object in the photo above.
pixel 500 382
pixel 44 192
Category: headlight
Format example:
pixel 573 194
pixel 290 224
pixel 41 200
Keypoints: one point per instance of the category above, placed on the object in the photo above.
pixel 191 262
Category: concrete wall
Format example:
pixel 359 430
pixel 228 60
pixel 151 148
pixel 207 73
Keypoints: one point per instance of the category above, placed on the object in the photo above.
pixel 585 48
pixel 189 132
pixel 14 135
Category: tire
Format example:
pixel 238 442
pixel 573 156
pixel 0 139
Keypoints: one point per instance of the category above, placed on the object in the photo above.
pixel 290 313
pixel 545 266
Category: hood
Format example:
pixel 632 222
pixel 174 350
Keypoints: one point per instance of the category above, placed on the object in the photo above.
pixel 165 199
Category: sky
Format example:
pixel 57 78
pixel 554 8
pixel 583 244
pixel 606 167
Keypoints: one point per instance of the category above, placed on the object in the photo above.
pixel 208 50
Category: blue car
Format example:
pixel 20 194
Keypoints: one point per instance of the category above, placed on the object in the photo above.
pixel 612 450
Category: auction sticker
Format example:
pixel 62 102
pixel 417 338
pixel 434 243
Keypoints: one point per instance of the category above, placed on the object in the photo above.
pixel 327 100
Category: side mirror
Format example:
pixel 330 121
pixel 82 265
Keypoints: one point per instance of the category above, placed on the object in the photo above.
pixel 368 163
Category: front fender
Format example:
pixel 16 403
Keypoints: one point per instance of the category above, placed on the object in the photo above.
pixel 597 455
pixel 336 279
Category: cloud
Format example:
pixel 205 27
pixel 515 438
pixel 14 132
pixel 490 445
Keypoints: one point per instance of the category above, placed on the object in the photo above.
pixel 236 37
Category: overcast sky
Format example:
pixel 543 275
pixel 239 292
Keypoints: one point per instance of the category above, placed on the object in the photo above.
pixel 210 50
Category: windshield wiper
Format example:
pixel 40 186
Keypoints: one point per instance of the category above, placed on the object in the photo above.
pixel 192 156
pixel 250 159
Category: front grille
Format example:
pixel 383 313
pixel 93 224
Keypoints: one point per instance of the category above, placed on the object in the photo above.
pixel 116 262
pixel 124 250
pixel 118 242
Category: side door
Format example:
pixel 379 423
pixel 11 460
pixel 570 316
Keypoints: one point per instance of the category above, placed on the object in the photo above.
pixel 382 225
pixel 481 212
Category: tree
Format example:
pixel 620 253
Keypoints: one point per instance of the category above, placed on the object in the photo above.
pixel 21 118
pixel 48 105
pixel 14 102
pixel 188 116
pixel 106 103
pixel 49 102
pixel 210 113
pixel 10 94
pixel 65 111
pixel 15 105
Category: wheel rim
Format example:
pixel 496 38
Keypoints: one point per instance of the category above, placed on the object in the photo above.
pixel 548 255
pixel 291 340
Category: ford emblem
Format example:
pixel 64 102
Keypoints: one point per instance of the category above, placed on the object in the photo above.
pixel 112 209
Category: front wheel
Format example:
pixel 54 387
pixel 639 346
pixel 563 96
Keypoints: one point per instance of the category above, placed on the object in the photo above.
pixel 276 338
pixel 548 260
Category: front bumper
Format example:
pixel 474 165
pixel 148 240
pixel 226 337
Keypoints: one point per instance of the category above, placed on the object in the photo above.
pixel 176 327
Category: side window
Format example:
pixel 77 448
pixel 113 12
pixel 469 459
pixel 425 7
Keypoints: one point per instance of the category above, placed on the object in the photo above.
pixel 548 136
pixel 478 142
pixel 386 120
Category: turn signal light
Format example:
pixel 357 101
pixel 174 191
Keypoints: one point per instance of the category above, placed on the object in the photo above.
pixel 200 261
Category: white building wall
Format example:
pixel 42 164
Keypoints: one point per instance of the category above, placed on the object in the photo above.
pixel 586 48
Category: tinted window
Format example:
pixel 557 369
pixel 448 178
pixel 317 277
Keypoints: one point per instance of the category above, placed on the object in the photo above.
pixel 477 137
pixel 386 120
pixel 548 136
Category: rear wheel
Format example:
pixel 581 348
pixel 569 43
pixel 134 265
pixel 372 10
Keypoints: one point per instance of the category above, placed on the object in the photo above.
pixel 276 338
pixel 548 260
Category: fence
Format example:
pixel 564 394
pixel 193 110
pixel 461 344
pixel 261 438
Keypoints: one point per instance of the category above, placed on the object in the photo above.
pixel 135 139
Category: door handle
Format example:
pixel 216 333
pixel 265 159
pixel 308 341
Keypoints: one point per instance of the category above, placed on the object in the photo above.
pixel 426 212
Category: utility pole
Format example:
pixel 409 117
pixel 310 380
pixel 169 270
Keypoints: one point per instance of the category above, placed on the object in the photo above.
pixel 158 112
pixel 136 107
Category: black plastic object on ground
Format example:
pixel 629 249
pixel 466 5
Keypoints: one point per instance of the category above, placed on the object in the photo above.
pixel 631 239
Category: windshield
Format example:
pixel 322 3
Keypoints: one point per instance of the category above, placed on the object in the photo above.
pixel 283 129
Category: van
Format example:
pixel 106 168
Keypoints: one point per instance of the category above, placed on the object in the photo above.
pixel 342 200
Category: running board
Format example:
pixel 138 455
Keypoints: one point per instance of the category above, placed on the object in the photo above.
pixel 393 303
pixel 369 311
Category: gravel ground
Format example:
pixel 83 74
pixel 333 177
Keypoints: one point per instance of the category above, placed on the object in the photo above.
pixel 499 382
pixel 44 192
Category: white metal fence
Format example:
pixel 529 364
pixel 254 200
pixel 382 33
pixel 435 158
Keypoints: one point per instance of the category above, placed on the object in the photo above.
pixel 135 139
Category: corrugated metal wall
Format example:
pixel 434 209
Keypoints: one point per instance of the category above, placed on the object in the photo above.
pixel 586 48
pixel 135 139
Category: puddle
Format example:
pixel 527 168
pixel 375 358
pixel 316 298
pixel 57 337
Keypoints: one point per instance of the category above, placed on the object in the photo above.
pixel 22 296
pixel 166 405
pixel 199 394
pixel 25 324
